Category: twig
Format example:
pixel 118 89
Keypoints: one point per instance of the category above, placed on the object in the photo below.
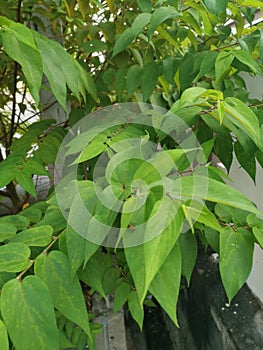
pixel 31 263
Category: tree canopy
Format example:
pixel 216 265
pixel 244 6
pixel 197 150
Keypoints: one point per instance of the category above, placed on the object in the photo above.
pixel 166 81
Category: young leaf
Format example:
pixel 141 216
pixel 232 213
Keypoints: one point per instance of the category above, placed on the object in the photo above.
pixel 166 284
pixel 29 315
pixel 14 257
pixel 236 255
pixel 54 270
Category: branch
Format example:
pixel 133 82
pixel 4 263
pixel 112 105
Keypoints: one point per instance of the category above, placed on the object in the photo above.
pixel 14 92
pixel 4 194
pixel 31 263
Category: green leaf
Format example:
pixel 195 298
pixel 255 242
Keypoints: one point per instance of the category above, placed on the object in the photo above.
pixel 223 64
pixel 224 148
pixel 134 75
pixel 123 41
pixel 19 44
pixel 145 260
pixel 200 187
pixel 161 15
pixel 249 165
pixel 34 237
pixel 170 66
pixel 14 257
pixel 19 221
pixel 29 315
pixel 140 22
pixel 54 269
pixel 32 213
pixel 79 249
pixel 3 336
pixel 244 118
pixel 24 178
pixel 212 237
pixel 236 255
pixel 6 276
pixel 258 233
pixel 245 58
pixel 94 46
pixel 166 284
pixel 96 270
pixel 216 6
pixel 188 247
pixel 136 309
pixel 121 296
pixel 7 231
pixel 145 5
pixel 54 217
pixel 150 75
pixel 229 214
pixel 8 170
pixel 52 67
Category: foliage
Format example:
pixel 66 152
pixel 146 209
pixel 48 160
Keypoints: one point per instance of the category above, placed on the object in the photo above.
pixel 179 55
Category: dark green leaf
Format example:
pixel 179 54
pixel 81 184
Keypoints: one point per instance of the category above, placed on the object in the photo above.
pixel 216 7
pixel 25 180
pixel 145 5
pixel 188 247
pixel 150 75
pixel 134 76
pixel 161 15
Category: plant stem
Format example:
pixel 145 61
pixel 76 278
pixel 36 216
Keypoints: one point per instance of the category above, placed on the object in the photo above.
pixel 55 238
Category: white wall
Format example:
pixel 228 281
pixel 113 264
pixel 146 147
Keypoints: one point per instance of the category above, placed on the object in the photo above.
pixel 254 192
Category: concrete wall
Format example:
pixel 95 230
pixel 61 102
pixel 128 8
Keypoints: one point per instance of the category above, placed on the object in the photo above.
pixel 253 191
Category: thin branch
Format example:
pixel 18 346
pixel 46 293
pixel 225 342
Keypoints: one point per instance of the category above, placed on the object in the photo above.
pixel 4 194
pixel 31 263
pixel 14 92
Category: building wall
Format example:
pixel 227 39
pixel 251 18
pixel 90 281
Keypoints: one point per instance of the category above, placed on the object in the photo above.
pixel 254 192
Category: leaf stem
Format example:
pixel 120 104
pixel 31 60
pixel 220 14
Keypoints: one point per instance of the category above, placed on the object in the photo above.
pixel 55 238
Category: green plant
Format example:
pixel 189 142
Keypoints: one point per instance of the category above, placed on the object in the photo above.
pixel 176 55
